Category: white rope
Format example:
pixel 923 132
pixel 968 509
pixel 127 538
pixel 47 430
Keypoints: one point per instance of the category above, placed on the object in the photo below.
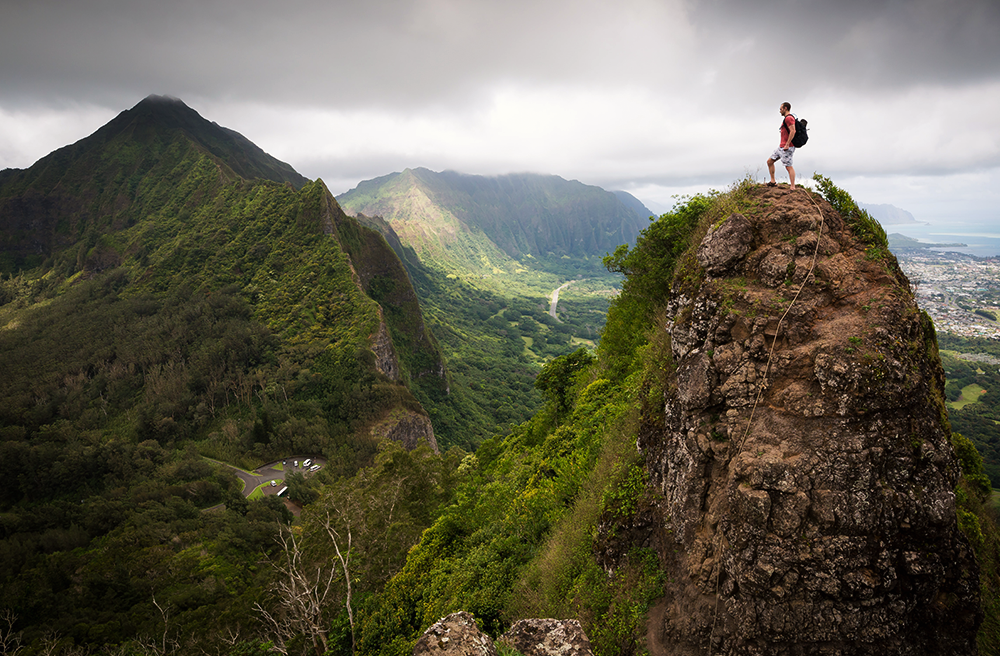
pixel 717 566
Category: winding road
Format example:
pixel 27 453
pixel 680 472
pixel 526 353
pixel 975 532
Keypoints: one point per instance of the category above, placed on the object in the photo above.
pixel 554 299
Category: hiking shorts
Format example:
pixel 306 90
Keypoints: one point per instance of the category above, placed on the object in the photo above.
pixel 784 155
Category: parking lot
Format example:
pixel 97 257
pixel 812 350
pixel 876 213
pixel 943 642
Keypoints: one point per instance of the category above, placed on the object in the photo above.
pixel 275 472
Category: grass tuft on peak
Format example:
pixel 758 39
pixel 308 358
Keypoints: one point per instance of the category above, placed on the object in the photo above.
pixel 861 222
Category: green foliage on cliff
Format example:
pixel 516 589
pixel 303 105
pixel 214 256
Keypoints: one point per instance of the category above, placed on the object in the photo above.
pixel 978 519
pixel 863 224
pixel 532 508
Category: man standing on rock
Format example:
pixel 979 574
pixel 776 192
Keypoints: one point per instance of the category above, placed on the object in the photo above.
pixel 785 148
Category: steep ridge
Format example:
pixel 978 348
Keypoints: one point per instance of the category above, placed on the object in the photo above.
pixel 803 451
pixel 94 182
pixel 162 199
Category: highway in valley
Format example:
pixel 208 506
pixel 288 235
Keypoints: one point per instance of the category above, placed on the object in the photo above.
pixel 554 299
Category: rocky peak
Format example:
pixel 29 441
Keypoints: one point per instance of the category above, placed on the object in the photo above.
pixel 804 451
pixel 406 427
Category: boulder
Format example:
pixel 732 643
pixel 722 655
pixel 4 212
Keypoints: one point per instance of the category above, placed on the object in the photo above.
pixel 455 635
pixel 725 245
pixel 548 637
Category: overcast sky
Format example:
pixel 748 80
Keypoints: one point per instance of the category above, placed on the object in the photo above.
pixel 655 97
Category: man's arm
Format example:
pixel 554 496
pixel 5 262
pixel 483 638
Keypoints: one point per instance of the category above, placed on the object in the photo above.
pixel 791 133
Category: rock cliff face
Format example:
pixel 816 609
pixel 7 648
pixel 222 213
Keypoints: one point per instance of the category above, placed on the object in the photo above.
pixel 385 355
pixel 804 452
pixel 407 428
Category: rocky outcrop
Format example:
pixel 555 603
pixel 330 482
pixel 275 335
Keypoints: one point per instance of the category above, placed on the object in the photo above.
pixel 548 637
pixel 804 455
pixel 455 635
pixel 407 428
pixel 458 635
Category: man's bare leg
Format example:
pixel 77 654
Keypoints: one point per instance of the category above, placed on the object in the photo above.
pixel 791 175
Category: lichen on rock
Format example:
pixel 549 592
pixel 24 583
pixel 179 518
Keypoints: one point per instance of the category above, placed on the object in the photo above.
pixel 458 635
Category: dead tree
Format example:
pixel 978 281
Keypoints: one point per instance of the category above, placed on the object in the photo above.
pixel 345 559
pixel 10 640
pixel 300 591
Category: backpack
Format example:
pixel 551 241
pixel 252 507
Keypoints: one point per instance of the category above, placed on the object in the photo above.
pixel 801 132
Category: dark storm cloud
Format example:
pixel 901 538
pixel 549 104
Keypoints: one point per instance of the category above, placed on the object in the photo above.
pixel 348 52
pixel 360 52
pixel 871 43
pixel 453 53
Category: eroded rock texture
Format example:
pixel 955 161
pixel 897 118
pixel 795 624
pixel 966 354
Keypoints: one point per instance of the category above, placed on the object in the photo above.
pixel 826 525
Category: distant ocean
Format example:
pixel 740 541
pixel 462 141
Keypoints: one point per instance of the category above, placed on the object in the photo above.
pixel 981 240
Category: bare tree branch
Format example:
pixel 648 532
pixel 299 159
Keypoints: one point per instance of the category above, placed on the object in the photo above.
pixel 10 640
pixel 301 593
pixel 345 564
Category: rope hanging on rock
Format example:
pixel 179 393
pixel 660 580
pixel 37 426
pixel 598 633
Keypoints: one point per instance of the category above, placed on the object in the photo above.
pixel 717 566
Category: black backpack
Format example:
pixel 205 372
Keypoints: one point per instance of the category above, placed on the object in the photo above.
pixel 801 132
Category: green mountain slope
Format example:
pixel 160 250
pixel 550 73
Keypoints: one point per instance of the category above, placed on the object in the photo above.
pixel 154 201
pixel 94 183
pixel 486 256
pixel 481 225
pixel 190 297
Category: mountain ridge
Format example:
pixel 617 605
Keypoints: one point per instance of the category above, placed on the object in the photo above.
pixel 478 224
pixel 92 183
pixel 168 198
